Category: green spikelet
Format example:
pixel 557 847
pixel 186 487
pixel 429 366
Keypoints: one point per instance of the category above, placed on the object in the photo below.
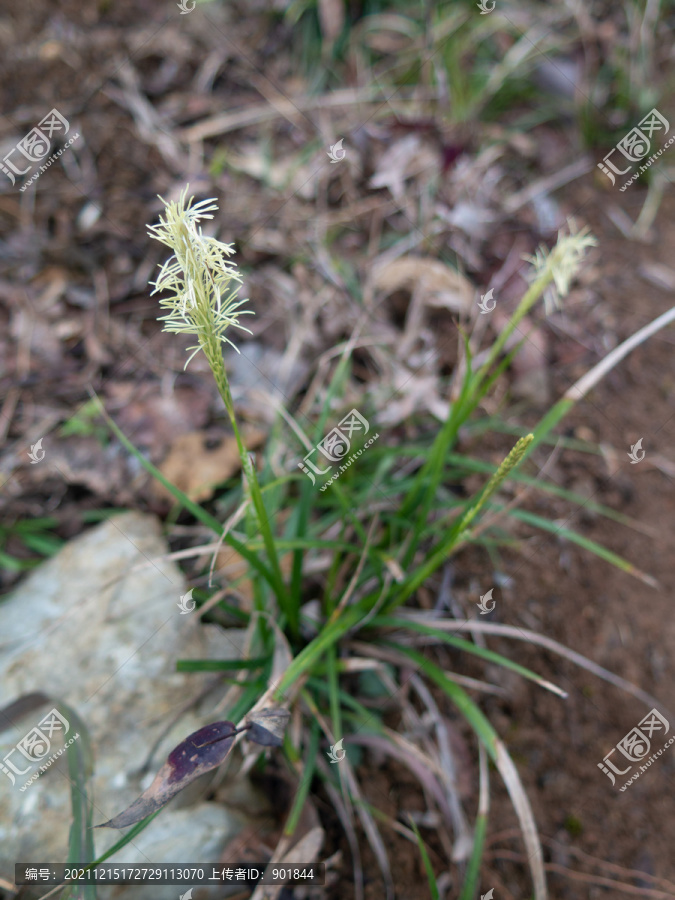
pixel 493 485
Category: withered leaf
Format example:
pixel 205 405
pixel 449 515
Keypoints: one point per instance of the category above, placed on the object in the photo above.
pixel 267 727
pixel 200 752
pixel 196 469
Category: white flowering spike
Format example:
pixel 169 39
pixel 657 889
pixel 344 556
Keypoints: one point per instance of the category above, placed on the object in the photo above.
pixel 203 283
pixel 562 262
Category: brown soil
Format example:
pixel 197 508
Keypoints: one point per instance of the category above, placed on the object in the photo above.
pixel 611 618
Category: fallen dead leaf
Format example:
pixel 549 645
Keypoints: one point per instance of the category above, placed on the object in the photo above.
pixel 155 418
pixel 306 851
pixel 84 461
pixel 404 159
pixel 196 469
pixel 200 752
pixel 437 284
pixel 430 283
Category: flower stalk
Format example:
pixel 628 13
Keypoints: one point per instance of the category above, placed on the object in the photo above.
pixel 553 274
pixel 203 303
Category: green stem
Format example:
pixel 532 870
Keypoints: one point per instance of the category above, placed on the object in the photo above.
pixel 447 545
pixel 214 356
pixel 530 297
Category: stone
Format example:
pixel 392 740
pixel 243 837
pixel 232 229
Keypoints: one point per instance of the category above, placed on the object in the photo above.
pixel 100 628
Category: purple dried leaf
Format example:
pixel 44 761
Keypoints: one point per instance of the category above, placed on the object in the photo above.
pixel 200 752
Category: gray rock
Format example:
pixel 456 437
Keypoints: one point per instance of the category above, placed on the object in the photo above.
pixel 99 627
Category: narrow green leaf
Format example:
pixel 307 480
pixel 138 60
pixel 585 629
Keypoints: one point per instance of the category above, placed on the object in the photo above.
pixel 305 781
pixel 472 877
pixel 431 878
pixel 80 770
pixel 586 543
pixel 219 665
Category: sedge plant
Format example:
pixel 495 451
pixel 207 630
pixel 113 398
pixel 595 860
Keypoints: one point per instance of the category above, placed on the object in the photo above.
pixel 334 646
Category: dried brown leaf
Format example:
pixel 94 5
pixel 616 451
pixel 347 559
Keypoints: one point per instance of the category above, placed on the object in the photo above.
pixel 200 752
pixel 402 160
pixel 437 284
pixel 196 469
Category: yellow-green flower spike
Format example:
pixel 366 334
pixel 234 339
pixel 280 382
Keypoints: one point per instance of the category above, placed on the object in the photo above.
pixel 203 283
pixel 562 262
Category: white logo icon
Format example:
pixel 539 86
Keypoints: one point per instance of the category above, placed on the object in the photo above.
pixel 36 145
pixel 337 152
pixel 337 445
pixel 36 453
pixel 183 603
pixel 187 895
pixel 36 745
pixel 487 896
pixel 635 746
pixel 184 10
pixel 484 10
pixel 484 600
pixel 635 145
pixel 484 304
pixel 335 752
pixel 637 454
